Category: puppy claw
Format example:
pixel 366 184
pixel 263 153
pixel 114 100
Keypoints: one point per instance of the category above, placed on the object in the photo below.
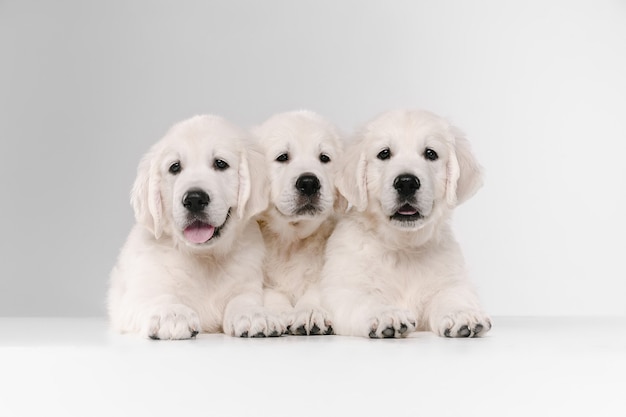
pixel 310 322
pixel 254 323
pixel 392 323
pixel 315 330
pixel 389 332
pixel 172 322
pixel 464 331
pixel 462 324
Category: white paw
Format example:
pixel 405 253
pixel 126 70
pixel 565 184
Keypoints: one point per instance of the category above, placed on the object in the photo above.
pixel 310 322
pixel 174 321
pixel 254 323
pixel 391 323
pixel 464 323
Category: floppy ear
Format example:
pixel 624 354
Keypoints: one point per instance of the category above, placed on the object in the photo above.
pixel 464 176
pixel 351 181
pixel 145 196
pixel 340 204
pixel 253 196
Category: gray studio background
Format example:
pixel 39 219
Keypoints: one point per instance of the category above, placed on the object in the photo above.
pixel 539 87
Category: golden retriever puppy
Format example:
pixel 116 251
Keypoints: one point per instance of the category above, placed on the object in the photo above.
pixel 393 264
pixel 193 261
pixel 302 152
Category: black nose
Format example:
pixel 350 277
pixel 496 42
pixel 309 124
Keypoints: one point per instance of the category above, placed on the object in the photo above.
pixel 308 184
pixel 195 200
pixel 406 184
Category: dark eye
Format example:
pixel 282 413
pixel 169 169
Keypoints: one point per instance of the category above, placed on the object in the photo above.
pixel 220 165
pixel 283 157
pixel 430 155
pixel 384 154
pixel 175 168
pixel 324 158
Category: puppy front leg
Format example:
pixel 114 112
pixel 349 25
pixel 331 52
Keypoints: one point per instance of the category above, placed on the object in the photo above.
pixel 245 316
pixel 456 312
pixel 166 318
pixel 308 317
pixel 357 313
pixel 278 304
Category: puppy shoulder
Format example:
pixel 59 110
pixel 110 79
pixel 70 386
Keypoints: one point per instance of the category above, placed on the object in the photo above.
pixel 140 243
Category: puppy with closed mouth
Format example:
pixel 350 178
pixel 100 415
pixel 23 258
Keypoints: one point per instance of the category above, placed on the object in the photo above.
pixel 193 261
pixel 393 264
pixel 302 150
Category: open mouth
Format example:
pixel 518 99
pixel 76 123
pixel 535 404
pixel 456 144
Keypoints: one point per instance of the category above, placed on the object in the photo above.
pixel 407 213
pixel 199 232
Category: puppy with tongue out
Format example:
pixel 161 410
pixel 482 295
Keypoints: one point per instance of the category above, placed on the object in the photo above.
pixel 199 230
pixel 193 261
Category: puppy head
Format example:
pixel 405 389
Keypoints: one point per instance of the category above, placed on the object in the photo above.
pixel 409 167
pixel 301 150
pixel 198 182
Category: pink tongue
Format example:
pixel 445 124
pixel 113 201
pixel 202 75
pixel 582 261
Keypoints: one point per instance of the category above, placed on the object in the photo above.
pixel 199 232
pixel 407 211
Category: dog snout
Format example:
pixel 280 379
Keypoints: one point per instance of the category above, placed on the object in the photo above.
pixel 308 184
pixel 406 184
pixel 195 200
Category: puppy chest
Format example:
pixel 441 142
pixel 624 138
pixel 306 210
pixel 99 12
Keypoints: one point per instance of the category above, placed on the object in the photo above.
pixel 293 272
pixel 401 275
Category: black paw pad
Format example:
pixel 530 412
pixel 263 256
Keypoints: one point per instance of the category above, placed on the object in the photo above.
pixel 389 332
pixel 403 328
pixel 154 337
pixel 194 333
pixel 259 334
pixel 300 331
pixel 244 334
pixel 478 328
pixel 315 329
pixel 329 330
pixel 373 334
pixel 447 333
pixel 464 331
pixel 274 333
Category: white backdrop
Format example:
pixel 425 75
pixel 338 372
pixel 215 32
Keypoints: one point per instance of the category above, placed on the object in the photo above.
pixel 539 87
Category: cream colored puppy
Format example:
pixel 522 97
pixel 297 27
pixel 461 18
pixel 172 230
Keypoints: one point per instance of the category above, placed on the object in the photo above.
pixel 193 261
pixel 393 264
pixel 301 151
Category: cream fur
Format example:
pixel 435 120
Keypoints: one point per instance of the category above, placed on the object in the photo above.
pixel 296 242
pixel 386 277
pixel 163 285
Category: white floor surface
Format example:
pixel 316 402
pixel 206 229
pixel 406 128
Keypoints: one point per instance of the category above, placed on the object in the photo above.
pixel 523 367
